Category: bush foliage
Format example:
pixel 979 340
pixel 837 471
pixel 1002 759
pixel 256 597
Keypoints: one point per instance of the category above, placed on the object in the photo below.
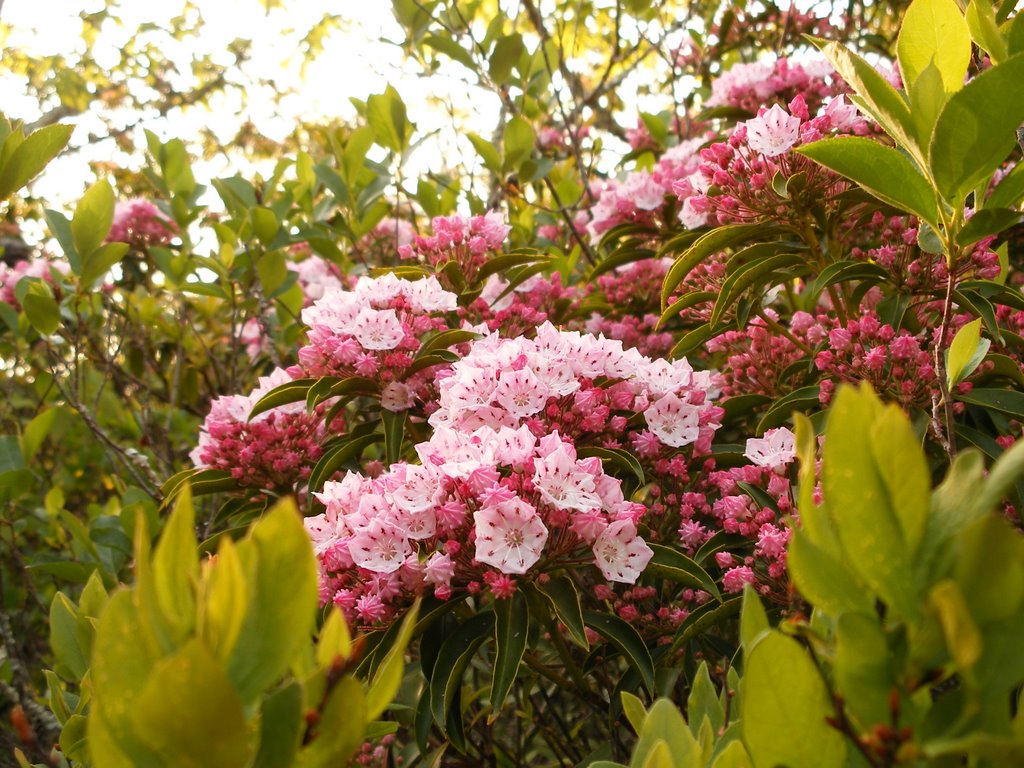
pixel 686 437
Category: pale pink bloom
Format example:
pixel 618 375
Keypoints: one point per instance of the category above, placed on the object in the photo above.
pixel 521 393
pixel 378 329
pixel 673 421
pixel 741 77
pixel 620 554
pixel 773 132
pixel 775 450
pixel 562 484
pixel 379 547
pixel 316 276
pixel 396 397
pixel 841 114
pixel 509 536
pixel 690 217
pixel 644 191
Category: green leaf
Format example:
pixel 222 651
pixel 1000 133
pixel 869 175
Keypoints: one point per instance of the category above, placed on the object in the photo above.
pixel 337 456
pixel 904 472
pixel 673 564
pixel 487 151
pixel 388 677
pixel 394 433
pixel 757 274
pixel 505 55
pixel 863 668
pixel 1003 400
pixel 176 567
pixel 1009 192
pixel 35 432
pixel 564 599
pixel 281 572
pixel 733 755
pixel 42 311
pixel 31 156
pixel 703 702
pixel 634 710
pixel 617 457
pixel 97 263
pixel 981 21
pixel 189 714
pixel 452 660
pixel 386 114
pixel 626 640
pixel 122 661
pixel 825 580
pixel 1005 473
pixel 977 129
pixel 879 98
pixel 856 491
pixel 883 171
pixel 225 602
pixel 664 728
pixel 280 728
pixel 265 225
pixel 63 639
pixel 93 216
pixel 711 243
pixel 962 353
pixel 784 704
pixel 289 392
pixel 518 142
pixel 987 221
pixel 340 729
pixel 512 623
pixel 934 31
pixel 753 619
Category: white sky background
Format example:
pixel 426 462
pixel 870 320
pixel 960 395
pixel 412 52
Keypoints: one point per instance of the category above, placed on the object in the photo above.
pixel 357 61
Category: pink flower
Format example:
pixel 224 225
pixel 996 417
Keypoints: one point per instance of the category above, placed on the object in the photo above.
pixel 379 547
pixel 510 536
pixel 521 393
pixel 735 578
pixel 773 132
pixel 620 554
pixel 438 570
pixel 396 397
pixel 562 484
pixel 673 421
pixel 775 450
pixel 378 329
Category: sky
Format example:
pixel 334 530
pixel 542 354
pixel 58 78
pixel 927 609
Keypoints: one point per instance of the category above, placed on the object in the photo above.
pixel 358 60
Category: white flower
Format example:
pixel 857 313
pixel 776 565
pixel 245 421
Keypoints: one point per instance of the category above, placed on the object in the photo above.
pixel 775 450
pixel 773 132
pixel 620 553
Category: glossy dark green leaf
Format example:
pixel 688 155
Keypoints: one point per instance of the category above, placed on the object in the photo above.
pixel 714 241
pixel 674 565
pixel 511 627
pixel 564 599
pixel 291 392
pixel 626 640
pixel 452 660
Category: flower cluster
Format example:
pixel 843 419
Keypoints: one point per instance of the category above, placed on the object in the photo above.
pixel 374 331
pixel 483 508
pixel 140 223
pixel 738 179
pixel 273 450
pixel 585 387
pixel 750 86
pixel 466 241
pixel 638 197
